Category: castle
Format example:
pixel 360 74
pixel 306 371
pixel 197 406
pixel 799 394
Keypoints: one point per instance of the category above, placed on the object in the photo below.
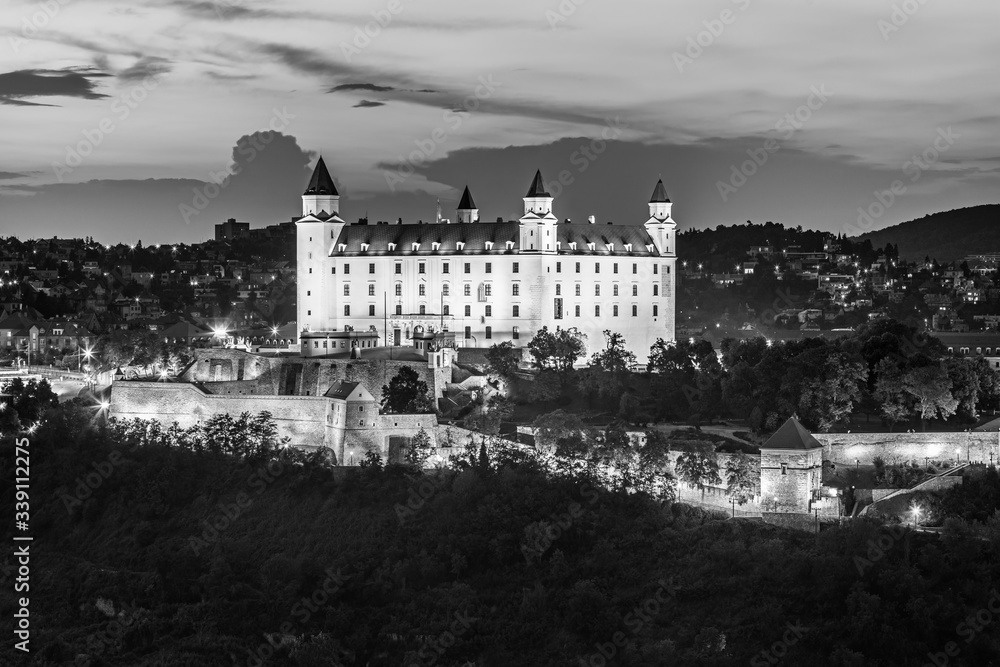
pixel 480 283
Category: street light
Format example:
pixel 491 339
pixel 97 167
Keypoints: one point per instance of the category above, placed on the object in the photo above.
pixel 916 514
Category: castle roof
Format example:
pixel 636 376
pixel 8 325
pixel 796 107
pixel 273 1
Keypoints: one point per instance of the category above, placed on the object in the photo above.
pixel 792 435
pixel 659 194
pixel 537 188
pixel 321 182
pixel 467 203
pixel 607 239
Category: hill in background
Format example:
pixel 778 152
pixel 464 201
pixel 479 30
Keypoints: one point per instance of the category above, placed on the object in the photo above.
pixel 946 237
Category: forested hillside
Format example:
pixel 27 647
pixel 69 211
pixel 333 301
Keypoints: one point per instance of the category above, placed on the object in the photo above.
pixel 178 557
pixel 946 236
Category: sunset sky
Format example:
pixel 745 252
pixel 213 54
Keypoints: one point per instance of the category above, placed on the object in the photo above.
pixel 116 115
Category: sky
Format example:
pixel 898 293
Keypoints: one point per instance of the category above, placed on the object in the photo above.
pixel 154 120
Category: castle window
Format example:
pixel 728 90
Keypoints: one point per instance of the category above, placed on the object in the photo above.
pixel 614 289
pixel 635 290
pixel 364 248
pixel 399 289
pixel 447 310
pixel 597 267
pixel 635 311
pixel 460 245
pixel 361 422
pixel 489 245
pixel 371 290
pixel 611 248
pixel 656 310
pixel 371 267
pixel 468 312
pixel 347 269
pixel 435 246
pixel 468 267
pixel 628 247
pixel 578 267
pixel 488 289
pixel 656 290
pixel 489 267
pixel 510 245
pixel 415 247
pixel 399 309
pixel 614 311
pixel 422 267
pixel 445 290
pixel 572 245
pixel 517 334
pixel 578 289
pixel 591 246
pixel 597 290
pixel 489 333
pixel 310 270
pixel 347 290
pixel 558 289
pixel 371 311
pixel 333 270
pixel 516 311
pixel 614 267
pixel 347 311
pixel 635 267
pixel 558 267
pixel 444 268
pixel 517 290
pixel 310 255
pixel 423 310
pixel 468 332
pixel 597 311
pixel 422 290
pixel 515 267
pixel 308 292
pixel 468 289
pixel 392 246
pixel 577 311
pixel 655 269
pixel 489 311
pixel 784 468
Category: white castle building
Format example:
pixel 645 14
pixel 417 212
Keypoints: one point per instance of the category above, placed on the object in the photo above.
pixel 481 283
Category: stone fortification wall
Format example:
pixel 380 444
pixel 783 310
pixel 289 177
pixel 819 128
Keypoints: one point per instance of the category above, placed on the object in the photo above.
pixel 847 448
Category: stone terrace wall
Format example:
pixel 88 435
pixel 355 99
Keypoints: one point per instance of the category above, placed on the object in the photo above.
pixel 845 448
pixel 234 372
pixel 301 418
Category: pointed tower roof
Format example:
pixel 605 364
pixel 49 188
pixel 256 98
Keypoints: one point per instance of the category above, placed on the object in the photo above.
pixel 321 183
pixel 467 204
pixel 537 187
pixel 659 194
pixel 792 435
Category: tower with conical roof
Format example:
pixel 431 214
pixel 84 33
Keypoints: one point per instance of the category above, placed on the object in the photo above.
pixel 660 225
pixel 321 194
pixel 539 226
pixel 467 211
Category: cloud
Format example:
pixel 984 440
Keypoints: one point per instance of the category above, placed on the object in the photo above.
pixel 17 85
pixel 367 104
pixel 149 66
pixel 360 86
pixel 9 175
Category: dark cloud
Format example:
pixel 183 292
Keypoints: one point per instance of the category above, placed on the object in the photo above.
pixel 149 66
pixel 8 175
pixel 367 104
pixel 17 85
pixel 360 86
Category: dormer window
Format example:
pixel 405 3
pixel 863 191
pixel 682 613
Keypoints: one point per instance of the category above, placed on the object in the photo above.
pixel 572 245
pixel 489 245
pixel 628 247
pixel 364 247
pixel 649 247
pixel 460 245
pixel 591 246
pixel 510 245
pixel 611 247
pixel 435 246
pixel 342 247
pixel 415 247
pixel 392 246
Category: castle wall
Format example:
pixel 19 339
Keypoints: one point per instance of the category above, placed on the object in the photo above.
pixel 303 419
pixel 791 490
pixel 846 448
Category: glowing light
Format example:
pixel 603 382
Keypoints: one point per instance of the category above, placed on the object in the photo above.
pixel 104 405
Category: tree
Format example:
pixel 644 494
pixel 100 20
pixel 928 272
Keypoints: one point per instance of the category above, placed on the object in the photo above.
pixel 406 393
pixel 654 459
pixel 833 393
pixel 419 449
pixel 26 402
pixel 611 368
pixel 557 350
pixel 894 402
pixel 502 360
pixel 931 387
pixel 561 430
pixel 698 469
pixel 742 477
